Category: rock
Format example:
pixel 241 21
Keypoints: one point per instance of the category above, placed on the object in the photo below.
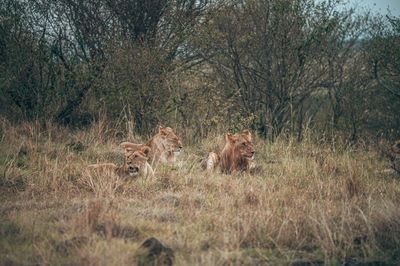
pixel 157 253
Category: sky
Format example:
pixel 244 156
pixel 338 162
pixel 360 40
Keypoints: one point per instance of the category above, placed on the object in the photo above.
pixel 380 6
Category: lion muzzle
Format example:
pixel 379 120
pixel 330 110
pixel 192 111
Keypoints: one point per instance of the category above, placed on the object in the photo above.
pixel 133 171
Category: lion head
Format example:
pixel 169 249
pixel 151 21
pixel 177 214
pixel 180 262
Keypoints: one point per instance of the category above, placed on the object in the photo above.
pixel 169 140
pixel 136 160
pixel 241 144
pixel 237 152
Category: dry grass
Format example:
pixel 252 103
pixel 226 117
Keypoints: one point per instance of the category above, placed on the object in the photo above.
pixel 308 204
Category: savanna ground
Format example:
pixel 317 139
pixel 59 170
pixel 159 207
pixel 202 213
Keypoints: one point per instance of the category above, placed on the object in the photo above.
pixel 314 202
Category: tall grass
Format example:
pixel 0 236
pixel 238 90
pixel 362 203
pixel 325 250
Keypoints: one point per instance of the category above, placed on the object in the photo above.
pixel 309 203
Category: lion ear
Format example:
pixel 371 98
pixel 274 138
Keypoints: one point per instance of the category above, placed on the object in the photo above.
pixel 229 138
pixel 128 151
pixel 247 134
pixel 146 150
pixel 162 131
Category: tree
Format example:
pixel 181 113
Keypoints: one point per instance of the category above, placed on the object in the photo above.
pixel 382 55
pixel 29 74
pixel 273 55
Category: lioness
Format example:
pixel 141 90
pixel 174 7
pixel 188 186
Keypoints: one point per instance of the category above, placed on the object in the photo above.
pixel 135 164
pixel 165 146
pixel 236 154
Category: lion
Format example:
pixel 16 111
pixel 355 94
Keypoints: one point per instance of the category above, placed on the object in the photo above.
pixel 165 147
pixel 135 164
pixel 236 155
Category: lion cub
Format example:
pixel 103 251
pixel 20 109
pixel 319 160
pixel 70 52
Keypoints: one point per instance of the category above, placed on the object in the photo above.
pixel 135 164
pixel 236 155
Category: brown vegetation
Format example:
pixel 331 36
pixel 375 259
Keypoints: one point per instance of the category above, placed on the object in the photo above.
pixel 311 203
pixel 394 155
pixel 317 83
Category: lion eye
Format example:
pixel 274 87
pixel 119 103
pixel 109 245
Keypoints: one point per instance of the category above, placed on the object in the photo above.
pixel 244 144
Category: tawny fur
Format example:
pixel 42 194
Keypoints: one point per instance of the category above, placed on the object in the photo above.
pixel 165 146
pixel 212 161
pixel 140 159
pixel 135 164
pixel 236 154
pixel 131 146
pixel 103 168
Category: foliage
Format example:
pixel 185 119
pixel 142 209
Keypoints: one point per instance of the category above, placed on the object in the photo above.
pixel 277 67
pixel 382 53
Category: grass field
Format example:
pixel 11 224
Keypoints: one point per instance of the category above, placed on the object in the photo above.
pixel 308 203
